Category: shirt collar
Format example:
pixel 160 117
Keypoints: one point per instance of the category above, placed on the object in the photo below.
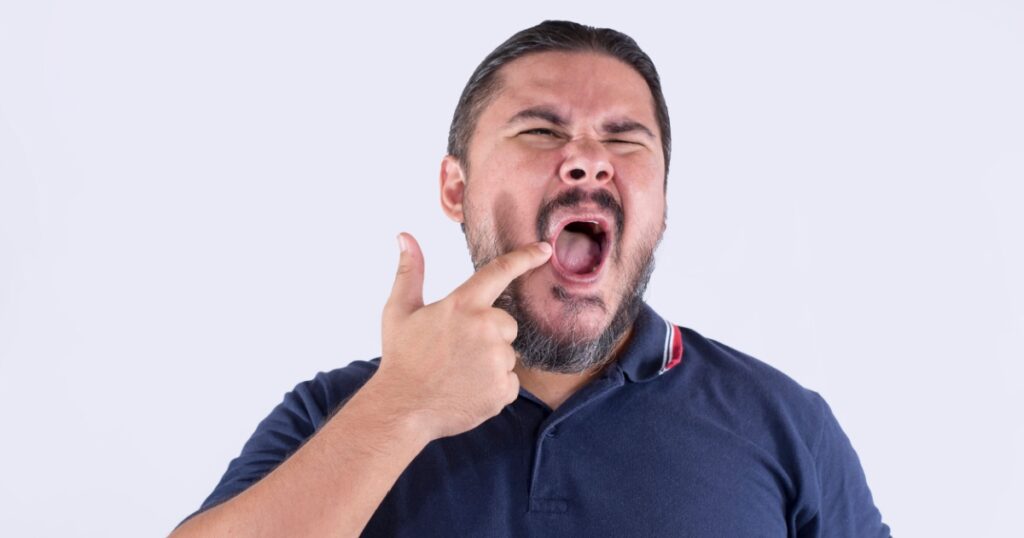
pixel 655 347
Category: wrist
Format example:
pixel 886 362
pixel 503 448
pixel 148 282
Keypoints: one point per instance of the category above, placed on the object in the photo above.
pixel 391 413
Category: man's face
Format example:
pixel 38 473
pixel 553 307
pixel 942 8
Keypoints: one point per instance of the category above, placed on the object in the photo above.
pixel 567 151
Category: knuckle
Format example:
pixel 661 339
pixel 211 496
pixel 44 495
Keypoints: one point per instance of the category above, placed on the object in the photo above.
pixel 503 351
pixel 404 268
pixel 497 325
pixel 512 358
pixel 456 300
pixel 504 264
pixel 513 387
pixel 506 324
pixel 502 316
pixel 388 310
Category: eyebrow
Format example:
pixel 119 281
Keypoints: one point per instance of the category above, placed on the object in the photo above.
pixel 549 115
pixel 542 112
pixel 626 126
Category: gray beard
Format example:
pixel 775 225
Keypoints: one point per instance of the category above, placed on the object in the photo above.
pixel 572 352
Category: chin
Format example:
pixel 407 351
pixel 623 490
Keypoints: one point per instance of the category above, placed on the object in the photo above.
pixel 566 327
pixel 569 316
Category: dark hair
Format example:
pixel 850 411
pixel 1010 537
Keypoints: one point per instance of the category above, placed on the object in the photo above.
pixel 563 36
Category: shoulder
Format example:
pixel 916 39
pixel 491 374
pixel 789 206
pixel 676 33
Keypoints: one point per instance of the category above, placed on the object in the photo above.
pixel 320 396
pixel 302 411
pixel 743 398
pixel 339 381
pixel 725 364
pixel 748 390
pixel 305 408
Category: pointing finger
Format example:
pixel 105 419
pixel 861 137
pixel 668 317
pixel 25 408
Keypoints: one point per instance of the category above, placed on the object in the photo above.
pixel 487 284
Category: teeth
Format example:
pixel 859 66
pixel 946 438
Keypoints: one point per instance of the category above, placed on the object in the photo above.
pixel 591 227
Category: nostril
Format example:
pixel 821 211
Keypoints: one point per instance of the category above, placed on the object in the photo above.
pixel 576 173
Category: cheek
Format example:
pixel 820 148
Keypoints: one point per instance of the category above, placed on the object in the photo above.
pixel 642 190
pixel 644 208
pixel 529 165
pixel 506 210
pixel 516 169
pixel 509 217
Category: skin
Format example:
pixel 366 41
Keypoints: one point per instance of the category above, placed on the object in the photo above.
pixel 448 366
pixel 515 166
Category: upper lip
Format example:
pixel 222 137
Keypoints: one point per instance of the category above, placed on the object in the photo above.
pixel 581 215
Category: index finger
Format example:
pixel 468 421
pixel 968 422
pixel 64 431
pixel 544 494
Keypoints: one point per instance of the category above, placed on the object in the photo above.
pixel 486 285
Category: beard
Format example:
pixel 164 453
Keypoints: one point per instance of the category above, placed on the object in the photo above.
pixel 571 350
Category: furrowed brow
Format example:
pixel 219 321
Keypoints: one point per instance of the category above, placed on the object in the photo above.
pixel 626 126
pixel 545 113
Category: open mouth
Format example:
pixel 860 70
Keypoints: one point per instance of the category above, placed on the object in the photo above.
pixel 581 247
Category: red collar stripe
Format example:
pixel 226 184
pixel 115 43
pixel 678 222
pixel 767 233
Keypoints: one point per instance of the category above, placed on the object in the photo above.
pixel 673 351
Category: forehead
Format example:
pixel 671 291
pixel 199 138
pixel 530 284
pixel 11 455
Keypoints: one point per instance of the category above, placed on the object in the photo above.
pixel 580 85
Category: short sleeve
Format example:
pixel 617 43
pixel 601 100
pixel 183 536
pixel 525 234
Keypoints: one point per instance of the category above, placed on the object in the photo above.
pixel 846 507
pixel 301 413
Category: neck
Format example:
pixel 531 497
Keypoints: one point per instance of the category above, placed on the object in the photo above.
pixel 555 388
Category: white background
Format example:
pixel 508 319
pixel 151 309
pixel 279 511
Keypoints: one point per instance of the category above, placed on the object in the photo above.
pixel 199 199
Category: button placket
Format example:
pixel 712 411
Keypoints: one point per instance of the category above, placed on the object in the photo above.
pixel 545 498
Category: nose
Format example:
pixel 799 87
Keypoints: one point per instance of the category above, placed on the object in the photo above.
pixel 586 160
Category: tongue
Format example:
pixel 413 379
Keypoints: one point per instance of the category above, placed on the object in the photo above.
pixel 577 252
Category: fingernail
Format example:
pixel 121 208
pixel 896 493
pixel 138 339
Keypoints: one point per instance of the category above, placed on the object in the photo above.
pixel 402 246
pixel 544 247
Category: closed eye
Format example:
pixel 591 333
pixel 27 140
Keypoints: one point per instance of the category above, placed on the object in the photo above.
pixel 540 131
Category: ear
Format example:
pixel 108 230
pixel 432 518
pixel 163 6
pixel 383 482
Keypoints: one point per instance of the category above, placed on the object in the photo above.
pixel 453 188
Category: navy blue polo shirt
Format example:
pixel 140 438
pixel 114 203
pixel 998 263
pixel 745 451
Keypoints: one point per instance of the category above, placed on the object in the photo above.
pixel 682 436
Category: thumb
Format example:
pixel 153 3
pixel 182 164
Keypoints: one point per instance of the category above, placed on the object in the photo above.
pixel 407 291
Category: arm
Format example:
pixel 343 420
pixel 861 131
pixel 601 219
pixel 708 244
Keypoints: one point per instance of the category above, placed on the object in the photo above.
pixel 846 507
pixel 332 485
pixel 445 368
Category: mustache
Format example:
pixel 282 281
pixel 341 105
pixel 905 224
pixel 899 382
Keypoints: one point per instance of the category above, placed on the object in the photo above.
pixel 575 197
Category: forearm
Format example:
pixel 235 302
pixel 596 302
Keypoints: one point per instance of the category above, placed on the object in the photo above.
pixel 331 486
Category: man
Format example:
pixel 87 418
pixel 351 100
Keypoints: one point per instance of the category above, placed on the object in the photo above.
pixel 542 397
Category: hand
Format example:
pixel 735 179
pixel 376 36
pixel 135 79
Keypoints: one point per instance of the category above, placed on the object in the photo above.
pixel 448 365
